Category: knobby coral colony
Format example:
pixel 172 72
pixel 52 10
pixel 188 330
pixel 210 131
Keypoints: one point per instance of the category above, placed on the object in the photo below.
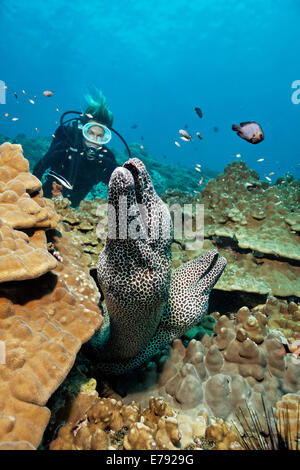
pixel 147 307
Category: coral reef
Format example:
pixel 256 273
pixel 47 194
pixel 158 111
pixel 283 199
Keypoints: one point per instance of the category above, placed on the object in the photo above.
pixel 256 230
pixel 167 176
pixel 97 423
pixel 87 225
pixel 226 372
pixel 21 203
pixel 248 270
pixel 47 308
pixel 163 176
pixel 33 148
pixel 282 316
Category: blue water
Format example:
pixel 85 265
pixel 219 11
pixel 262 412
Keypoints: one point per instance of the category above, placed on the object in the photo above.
pixel 155 61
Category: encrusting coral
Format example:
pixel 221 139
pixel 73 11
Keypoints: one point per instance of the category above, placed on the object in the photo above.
pixel 227 372
pixel 44 316
pixel 96 423
pixel 87 225
pixel 256 230
pixel 282 316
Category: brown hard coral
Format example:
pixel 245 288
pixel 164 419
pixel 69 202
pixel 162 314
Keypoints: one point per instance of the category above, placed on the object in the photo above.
pixel 20 258
pixel 110 424
pixel 225 372
pixel 282 316
pixel 253 230
pixel 21 203
pixel 224 436
pixel 87 224
pixel 42 339
pixel 47 309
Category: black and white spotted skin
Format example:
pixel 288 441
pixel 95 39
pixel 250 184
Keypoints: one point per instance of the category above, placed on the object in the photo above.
pixel 134 274
pixel 148 310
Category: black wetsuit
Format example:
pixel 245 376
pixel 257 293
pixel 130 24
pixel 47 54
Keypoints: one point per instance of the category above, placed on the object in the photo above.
pixel 66 157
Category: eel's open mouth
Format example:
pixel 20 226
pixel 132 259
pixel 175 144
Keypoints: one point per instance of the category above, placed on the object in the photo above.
pixel 215 265
pixel 212 264
pixel 137 177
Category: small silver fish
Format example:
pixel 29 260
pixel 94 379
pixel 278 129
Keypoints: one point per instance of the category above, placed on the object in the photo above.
pixel 61 179
pixel 185 139
pixel 250 131
pixel 177 143
pixel 199 135
pixel 185 134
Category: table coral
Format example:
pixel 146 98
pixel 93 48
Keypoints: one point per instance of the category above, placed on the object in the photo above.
pixel 254 230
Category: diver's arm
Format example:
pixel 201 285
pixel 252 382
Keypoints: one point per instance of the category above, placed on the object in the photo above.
pixel 55 153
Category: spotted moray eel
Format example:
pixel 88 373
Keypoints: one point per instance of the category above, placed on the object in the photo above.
pixel 146 307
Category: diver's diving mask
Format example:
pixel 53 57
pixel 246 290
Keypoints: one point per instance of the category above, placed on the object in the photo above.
pixel 96 134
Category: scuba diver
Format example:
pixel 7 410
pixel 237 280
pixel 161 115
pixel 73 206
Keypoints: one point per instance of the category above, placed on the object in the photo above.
pixel 78 157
